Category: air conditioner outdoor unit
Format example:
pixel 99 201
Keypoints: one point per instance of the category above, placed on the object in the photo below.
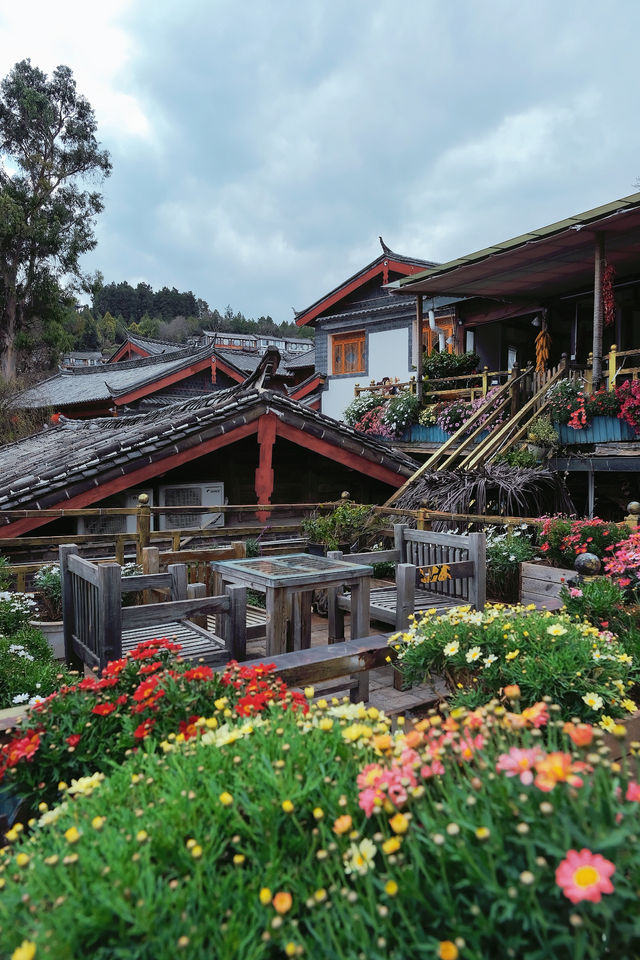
pixel 114 524
pixel 191 495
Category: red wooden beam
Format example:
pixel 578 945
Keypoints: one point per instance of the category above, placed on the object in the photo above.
pixel 126 350
pixel 297 393
pixel 264 473
pixel 332 452
pixel 383 266
pixel 167 381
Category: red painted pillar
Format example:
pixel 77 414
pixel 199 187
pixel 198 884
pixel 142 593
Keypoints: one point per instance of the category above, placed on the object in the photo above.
pixel 264 473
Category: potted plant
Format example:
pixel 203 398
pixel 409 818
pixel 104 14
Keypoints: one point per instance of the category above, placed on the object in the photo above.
pixel 48 585
pixel 341 529
pixel 542 437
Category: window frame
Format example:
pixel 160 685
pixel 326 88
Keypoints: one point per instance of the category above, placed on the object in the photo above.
pixel 343 340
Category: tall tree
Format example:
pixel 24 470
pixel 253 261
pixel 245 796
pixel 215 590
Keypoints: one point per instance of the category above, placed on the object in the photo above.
pixel 48 150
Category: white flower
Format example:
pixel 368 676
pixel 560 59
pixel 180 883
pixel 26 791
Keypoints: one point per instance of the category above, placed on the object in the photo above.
pixel 473 654
pixel 20 698
pixel 451 648
pixel 593 700
pixel 489 660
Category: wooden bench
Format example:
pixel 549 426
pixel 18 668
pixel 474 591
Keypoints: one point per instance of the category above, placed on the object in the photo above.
pixel 433 570
pixel 97 628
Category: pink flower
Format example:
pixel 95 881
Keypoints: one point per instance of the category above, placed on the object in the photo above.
pixel 633 791
pixel 575 592
pixel 519 763
pixel 585 876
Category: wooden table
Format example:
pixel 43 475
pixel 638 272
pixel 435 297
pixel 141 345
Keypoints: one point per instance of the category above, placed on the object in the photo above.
pixel 289 582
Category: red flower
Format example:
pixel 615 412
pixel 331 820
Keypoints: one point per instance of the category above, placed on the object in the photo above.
pixel 145 689
pixel 199 673
pixel 144 729
pixel 104 709
pixel 74 739
pixel 114 667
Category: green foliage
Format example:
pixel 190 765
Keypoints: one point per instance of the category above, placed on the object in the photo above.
pixel 505 552
pixel 439 366
pixel 16 609
pixel 402 410
pixel 545 654
pixel 360 405
pixel 563 396
pixel 5 573
pixel 518 458
pixel 27 668
pixel 601 601
pixel 47 132
pixel 14 422
pixel 347 524
pixel 231 846
pixel 49 582
pixel 541 432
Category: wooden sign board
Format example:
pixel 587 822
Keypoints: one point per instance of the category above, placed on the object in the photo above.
pixel 443 572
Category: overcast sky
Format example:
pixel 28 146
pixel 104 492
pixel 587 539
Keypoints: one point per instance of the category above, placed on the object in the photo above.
pixel 260 147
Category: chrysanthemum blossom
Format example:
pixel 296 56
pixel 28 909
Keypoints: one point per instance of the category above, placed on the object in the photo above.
pixel 585 876
pixel 519 763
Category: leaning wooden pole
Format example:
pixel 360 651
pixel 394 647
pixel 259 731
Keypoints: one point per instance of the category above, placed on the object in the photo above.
pixel 420 325
pixel 598 271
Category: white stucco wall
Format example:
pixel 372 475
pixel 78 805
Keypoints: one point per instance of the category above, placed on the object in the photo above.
pixel 388 356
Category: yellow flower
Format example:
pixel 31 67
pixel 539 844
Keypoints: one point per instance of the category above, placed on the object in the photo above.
pixel 265 896
pixel 391 845
pixel 239 858
pixel 220 704
pixel 320 895
pixel 26 951
pixel 447 950
pixel 98 822
pixel 22 859
pixel 629 705
pixel 318 813
pixel 607 723
pixel 326 723
pixel 391 888
pixel 482 833
pixel 290 949
pixel 287 806
pixel 72 835
pixel 141 836
pixel 196 851
pixel 226 799
pixel 510 656
pixel 399 823
pixel 309 692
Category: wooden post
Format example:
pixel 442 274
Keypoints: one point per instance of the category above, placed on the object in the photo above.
pixel 194 592
pixel 150 564
pixel 613 362
pixel 423 522
pixel 143 525
pixel 478 554
pixel 598 271
pixel 109 633
pixel 588 375
pixel 120 541
pixel 485 380
pixel 234 622
pixel 399 542
pixel 420 325
pixel 335 616
pixel 178 574
pixel 515 389
pixel 71 658
pixel 405 606
pixel 264 473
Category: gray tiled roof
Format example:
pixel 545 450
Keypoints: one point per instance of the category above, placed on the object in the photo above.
pixel 294 361
pixel 79 455
pixel 106 381
pixel 248 360
pixel 152 346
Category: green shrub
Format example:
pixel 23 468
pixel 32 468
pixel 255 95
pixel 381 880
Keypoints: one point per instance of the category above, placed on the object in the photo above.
pixel 541 432
pixel 586 672
pixel 325 837
pixel 49 582
pixel 345 525
pixel 16 609
pixel 27 668
pixel 518 458
pixel 505 552
pixel 5 574
pixel 562 539
pixel 437 366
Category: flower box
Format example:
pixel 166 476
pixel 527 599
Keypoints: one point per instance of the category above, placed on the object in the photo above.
pixel 541 584
pixel 54 632
pixel 600 430
pixel 416 433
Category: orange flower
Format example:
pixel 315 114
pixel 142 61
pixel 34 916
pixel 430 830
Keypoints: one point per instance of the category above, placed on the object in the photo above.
pixel 399 823
pixel 581 733
pixel 447 950
pixel 512 691
pixel 343 824
pixel 558 767
pixel 282 902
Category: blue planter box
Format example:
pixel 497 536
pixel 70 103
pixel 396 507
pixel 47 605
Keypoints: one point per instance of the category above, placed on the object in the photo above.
pixel 600 430
pixel 419 434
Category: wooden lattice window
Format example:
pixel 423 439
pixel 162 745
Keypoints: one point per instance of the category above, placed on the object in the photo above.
pixel 348 352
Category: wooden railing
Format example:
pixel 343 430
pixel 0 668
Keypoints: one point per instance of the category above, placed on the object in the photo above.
pixel 467 386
